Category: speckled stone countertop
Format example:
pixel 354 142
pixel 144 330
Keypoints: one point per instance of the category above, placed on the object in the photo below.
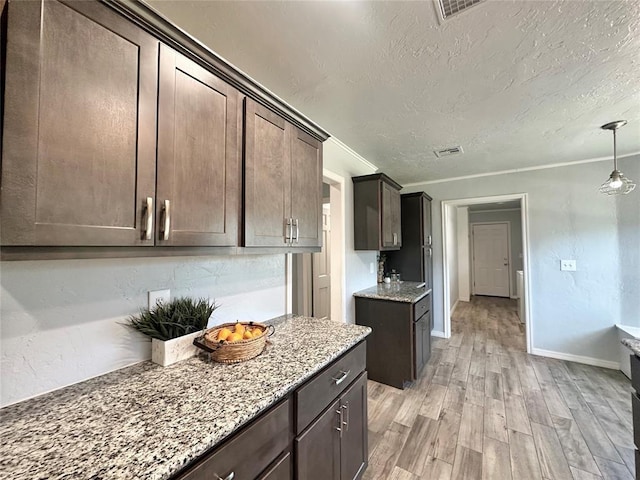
pixel 631 344
pixel 407 292
pixel 148 421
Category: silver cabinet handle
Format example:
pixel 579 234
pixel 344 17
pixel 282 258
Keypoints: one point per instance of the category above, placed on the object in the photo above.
pixel 148 230
pixel 166 224
pixel 342 378
pixel 430 253
pixel 228 477
pixel 296 223
pixel 345 407
pixel 429 240
pixel 339 412
pixel 288 231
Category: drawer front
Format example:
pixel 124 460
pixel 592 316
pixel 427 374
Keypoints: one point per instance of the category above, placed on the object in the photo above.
pixel 635 372
pixel 320 391
pixel 635 407
pixel 421 307
pixel 262 442
pixel 280 469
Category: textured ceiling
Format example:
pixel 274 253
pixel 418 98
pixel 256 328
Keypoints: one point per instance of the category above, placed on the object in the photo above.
pixel 517 83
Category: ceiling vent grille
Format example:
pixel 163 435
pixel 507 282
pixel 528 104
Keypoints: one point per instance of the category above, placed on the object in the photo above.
pixel 451 7
pixel 446 152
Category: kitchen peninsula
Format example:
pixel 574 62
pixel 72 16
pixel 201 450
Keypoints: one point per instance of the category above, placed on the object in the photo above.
pixel 150 422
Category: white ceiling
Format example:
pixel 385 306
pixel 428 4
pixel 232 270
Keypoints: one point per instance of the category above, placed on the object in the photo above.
pixel 517 83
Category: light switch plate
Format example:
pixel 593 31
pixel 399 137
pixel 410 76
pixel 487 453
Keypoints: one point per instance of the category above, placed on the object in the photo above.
pixel 371 268
pixel 156 296
pixel 568 265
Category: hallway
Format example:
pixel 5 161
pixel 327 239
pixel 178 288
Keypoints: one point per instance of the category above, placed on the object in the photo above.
pixel 485 409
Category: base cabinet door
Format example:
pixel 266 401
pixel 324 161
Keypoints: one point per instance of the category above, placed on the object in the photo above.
pixel 318 448
pixel 353 446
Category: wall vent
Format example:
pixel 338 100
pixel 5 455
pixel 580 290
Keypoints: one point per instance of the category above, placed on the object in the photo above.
pixel 446 152
pixel 451 7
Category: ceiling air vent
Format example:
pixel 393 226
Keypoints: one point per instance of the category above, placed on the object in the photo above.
pixel 446 152
pixel 451 7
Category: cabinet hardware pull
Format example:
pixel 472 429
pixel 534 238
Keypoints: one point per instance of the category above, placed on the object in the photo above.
pixel 430 253
pixel 297 225
pixel 288 231
pixel 346 409
pixel 429 240
pixel 395 239
pixel 339 429
pixel 148 231
pixel 228 477
pixel 342 378
pixel 166 223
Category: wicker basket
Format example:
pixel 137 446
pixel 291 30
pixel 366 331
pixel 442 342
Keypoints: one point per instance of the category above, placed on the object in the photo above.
pixel 235 352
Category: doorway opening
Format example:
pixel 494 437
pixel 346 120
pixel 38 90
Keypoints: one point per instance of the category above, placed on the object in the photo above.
pixel 486 256
pixel 317 279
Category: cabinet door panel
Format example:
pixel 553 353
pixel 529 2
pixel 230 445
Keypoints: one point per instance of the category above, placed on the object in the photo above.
pixel 354 448
pixel 267 180
pixel 318 448
pixel 79 128
pixel 306 189
pixel 391 234
pixel 198 155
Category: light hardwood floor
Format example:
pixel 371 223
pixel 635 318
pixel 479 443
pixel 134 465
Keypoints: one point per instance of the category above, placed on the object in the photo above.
pixel 485 409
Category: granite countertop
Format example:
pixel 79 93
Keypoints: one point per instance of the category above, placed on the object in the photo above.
pixel 632 344
pixel 407 292
pixel 148 421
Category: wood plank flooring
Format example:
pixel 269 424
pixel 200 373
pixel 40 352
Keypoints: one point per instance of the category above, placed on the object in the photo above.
pixel 484 409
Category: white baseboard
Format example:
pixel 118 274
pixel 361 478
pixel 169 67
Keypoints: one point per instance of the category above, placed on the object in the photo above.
pixel 453 309
pixel 437 333
pixel 596 362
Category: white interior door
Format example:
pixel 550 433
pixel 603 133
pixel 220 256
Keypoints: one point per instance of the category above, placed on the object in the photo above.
pixel 491 259
pixel 322 270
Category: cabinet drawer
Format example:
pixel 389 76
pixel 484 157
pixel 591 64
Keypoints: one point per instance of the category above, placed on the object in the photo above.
pixel 635 372
pixel 313 397
pixel 262 442
pixel 421 307
pixel 280 469
pixel 635 407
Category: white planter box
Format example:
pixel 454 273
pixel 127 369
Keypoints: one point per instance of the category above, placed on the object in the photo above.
pixel 172 351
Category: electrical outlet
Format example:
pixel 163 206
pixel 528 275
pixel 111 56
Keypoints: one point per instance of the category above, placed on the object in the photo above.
pixel 568 265
pixel 371 268
pixel 156 296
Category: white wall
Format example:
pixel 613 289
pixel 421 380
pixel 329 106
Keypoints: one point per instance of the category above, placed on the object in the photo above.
pixel 343 162
pixel 452 247
pixel 464 272
pixel 61 320
pixel 515 234
pixel 572 312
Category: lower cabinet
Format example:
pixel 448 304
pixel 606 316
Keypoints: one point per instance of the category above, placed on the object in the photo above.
pixel 334 446
pixel 317 432
pixel 635 408
pixel 422 342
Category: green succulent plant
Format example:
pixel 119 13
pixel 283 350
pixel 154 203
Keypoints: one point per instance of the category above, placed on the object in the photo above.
pixel 174 319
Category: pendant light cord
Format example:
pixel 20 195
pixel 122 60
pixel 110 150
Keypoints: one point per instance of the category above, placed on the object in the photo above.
pixel 615 156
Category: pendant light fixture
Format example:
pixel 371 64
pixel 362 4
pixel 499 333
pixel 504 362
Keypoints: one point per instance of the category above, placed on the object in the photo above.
pixel 617 184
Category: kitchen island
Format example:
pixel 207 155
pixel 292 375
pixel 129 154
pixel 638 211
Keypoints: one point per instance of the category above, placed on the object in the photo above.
pixel 399 313
pixel 149 422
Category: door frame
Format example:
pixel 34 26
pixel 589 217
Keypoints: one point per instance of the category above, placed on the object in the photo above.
pixel 524 215
pixel 472 263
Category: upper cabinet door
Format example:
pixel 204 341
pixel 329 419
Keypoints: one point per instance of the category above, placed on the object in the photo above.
pixel 306 190
pixel 79 146
pixel 199 142
pixel 390 216
pixel 267 181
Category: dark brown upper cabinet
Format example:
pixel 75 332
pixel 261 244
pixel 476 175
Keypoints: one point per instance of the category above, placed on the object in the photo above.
pixel 282 182
pixel 377 213
pixel 79 147
pixel 199 145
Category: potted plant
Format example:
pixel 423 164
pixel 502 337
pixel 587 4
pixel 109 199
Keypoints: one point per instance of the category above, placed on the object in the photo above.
pixel 172 327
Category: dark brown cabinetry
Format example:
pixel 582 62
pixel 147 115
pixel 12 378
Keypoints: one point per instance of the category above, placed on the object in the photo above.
pixel 414 259
pixel 334 446
pixel 282 184
pixel 78 160
pixel 635 408
pixel 400 344
pixel 377 213
pixel 199 147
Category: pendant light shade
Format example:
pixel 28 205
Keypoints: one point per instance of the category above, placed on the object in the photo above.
pixel 617 183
